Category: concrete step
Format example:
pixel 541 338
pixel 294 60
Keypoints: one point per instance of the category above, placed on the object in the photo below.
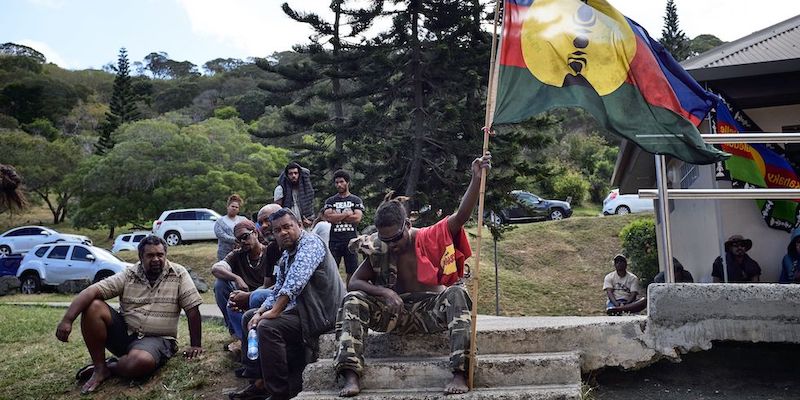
pixel 494 370
pixel 539 392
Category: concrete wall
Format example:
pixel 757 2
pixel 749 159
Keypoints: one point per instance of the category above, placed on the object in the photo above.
pixel 771 119
pixel 694 230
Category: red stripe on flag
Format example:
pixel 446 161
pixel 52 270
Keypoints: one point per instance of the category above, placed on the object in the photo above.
pixel 646 74
pixel 511 45
pixel 739 150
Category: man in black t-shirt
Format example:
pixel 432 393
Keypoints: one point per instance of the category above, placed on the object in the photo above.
pixel 344 211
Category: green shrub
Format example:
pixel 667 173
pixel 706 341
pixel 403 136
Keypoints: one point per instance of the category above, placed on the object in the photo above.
pixel 226 112
pixel 639 245
pixel 572 185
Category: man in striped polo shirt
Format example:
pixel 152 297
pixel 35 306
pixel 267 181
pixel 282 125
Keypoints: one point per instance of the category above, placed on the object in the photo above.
pixel 143 332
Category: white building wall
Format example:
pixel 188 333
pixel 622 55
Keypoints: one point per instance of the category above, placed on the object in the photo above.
pixel 772 119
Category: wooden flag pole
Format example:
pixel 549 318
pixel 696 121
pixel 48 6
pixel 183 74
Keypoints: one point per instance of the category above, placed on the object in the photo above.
pixel 475 272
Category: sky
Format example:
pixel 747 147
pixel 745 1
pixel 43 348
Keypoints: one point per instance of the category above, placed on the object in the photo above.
pixel 79 34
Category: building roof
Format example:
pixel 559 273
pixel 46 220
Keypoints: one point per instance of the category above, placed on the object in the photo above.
pixel 777 42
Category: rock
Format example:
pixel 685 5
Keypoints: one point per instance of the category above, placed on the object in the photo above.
pixel 73 286
pixel 8 285
pixel 199 283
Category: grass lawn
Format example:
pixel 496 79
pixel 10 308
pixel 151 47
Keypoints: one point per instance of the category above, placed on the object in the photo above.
pixel 41 367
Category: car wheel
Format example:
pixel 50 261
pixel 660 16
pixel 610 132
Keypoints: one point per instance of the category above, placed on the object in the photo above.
pixel 623 210
pixel 172 238
pixel 30 283
pixel 556 214
pixel 5 251
pixel 102 275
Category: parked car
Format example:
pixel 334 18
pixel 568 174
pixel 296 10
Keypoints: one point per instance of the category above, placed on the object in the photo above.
pixel 529 207
pixel 21 240
pixel 622 204
pixel 52 264
pixel 10 264
pixel 128 241
pixel 177 226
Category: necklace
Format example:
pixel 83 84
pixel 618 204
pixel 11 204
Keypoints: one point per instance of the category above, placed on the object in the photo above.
pixel 257 259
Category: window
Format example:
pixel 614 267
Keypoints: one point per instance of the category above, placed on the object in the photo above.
pixel 180 216
pixel 126 238
pixel 79 253
pixel 25 232
pixel 205 216
pixel 138 238
pixel 41 250
pixel 59 253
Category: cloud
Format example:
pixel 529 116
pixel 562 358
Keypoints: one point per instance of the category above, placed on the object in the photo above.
pixel 42 47
pixel 255 27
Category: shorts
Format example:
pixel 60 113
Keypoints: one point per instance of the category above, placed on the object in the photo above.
pixel 119 342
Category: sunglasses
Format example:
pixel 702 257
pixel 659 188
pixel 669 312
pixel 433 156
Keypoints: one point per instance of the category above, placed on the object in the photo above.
pixel 738 244
pixel 396 237
pixel 244 237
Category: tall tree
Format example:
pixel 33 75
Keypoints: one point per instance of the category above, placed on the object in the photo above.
pixel 703 43
pixel 324 79
pixel 672 37
pixel 122 107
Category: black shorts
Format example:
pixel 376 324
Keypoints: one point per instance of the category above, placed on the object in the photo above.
pixel 339 250
pixel 119 342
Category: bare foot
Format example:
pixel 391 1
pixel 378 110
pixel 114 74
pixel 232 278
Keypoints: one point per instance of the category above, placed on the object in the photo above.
pixel 98 377
pixel 457 385
pixel 352 386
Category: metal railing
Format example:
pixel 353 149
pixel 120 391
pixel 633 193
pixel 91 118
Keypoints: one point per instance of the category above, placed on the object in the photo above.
pixel 663 194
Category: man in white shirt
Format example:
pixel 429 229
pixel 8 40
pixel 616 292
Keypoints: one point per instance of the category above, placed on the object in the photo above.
pixel 621 286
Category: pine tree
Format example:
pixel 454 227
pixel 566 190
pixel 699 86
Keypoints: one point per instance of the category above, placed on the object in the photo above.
pixel 122 107
pixel 672 37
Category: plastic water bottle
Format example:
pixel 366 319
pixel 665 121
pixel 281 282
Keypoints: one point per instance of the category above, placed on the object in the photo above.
pixel 252 344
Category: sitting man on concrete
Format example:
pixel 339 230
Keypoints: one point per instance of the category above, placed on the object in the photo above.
pixel 301 306
pixel 142 334
pixel 739 266
pixel 790 265
pixel 401 287
pixel 620 286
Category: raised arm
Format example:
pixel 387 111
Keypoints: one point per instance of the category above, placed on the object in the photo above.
pixel 470 199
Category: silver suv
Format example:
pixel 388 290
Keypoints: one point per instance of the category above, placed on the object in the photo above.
pixel 178 226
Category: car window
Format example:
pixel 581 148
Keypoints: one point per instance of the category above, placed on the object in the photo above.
pixel 126 238
pixel 527 198
pixel 59 252
pixel 204 216
pixel 138 238
pixel 41 250
pixel 79 253
pixel 25 232
pixel 180 216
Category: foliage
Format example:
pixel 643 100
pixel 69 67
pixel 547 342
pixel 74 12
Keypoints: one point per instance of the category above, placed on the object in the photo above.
pixel 18 50
pixel 672 37
pixel 571 185
pixel 703 43
pixel 226 112
pixel 45 166
pixel 639 245
pixel 37 96
pixel 157 165
pixel 42 127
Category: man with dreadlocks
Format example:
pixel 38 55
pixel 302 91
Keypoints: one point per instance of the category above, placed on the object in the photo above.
pixel 404 286
pixel 11 195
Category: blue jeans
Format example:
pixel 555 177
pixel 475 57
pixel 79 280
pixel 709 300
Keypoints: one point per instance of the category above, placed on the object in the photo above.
pixel 222 291
pixel 257 298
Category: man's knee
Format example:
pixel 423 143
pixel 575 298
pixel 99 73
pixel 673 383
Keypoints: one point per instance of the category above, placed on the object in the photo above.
pixel 458 296
pixel 97 309
pixel 222 288
pixel 137 363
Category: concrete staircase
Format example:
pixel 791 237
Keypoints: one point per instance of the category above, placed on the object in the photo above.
pixel 416 367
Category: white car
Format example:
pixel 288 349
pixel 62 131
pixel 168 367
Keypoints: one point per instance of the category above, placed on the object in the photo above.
pixel 52 264
pixel 128 241
pixel 21 240
pixel 622 204
pixel 177 226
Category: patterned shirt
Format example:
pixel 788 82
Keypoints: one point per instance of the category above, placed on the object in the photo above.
pixel 343 231
pixel 152 310
pixel 295 269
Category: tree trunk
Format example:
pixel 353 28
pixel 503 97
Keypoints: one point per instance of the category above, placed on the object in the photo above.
pixel 338 108
pixel 417 122
pixel 111 229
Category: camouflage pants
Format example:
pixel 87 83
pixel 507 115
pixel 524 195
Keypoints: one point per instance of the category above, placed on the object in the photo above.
pixel 423 313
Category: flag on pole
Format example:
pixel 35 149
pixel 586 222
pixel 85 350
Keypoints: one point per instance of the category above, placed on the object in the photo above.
pixel 557 53
pixel 755 165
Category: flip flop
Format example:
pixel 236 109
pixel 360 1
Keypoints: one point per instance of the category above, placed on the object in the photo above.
pixel 87 388
pixel 86 371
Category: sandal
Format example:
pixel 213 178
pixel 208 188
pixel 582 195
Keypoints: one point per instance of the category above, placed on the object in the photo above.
pixel 86 371
pixel 249 392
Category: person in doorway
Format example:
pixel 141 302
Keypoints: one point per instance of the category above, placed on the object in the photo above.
pixel 344 211
pixel 681 275
pixel 409 284
pixel 143 332
pixel 739 266
pixel 790 270
pixel 621 286
pixel 223 228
